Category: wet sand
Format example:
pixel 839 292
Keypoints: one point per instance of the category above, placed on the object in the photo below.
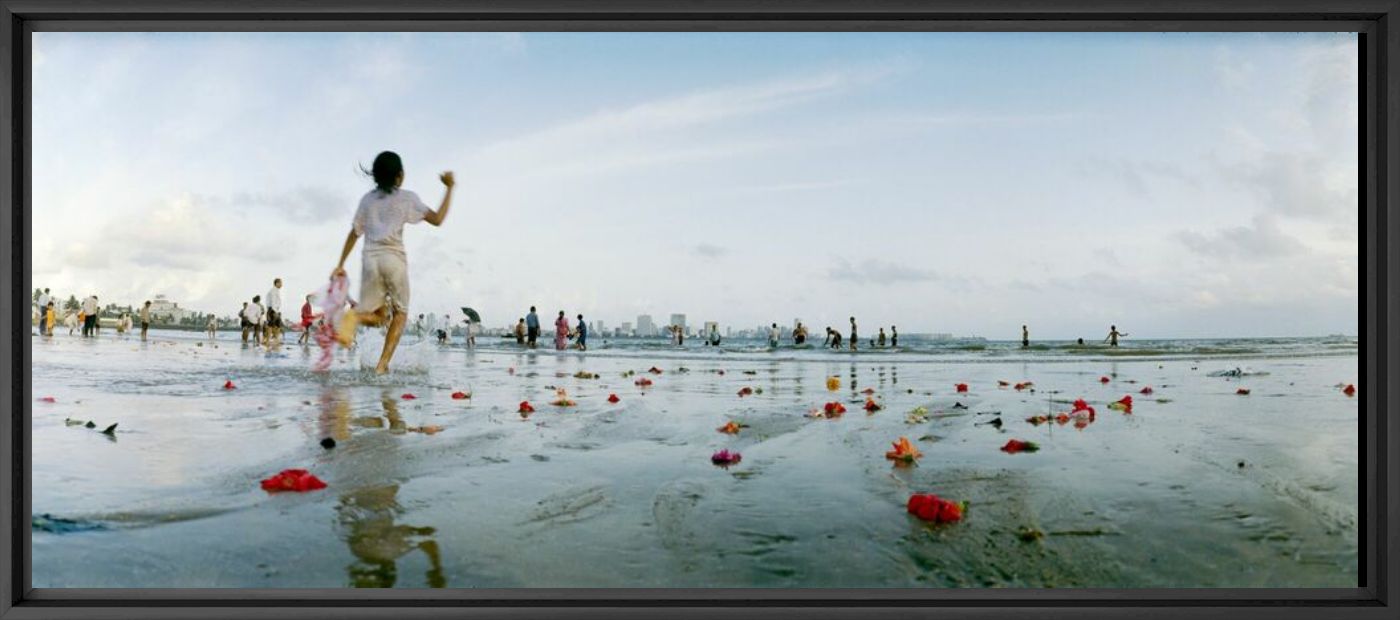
pixel 1198 487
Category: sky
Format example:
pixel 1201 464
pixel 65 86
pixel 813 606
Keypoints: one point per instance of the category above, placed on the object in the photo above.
pixel 1173 184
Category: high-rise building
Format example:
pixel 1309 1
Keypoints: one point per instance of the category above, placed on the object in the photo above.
pixel 597 327
pixel 625 330
pixel 645 328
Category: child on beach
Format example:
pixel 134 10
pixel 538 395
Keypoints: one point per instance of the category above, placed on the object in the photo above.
pixel 48 319
pixel 520 332
pixel 561 332
pixel 380 218
pixel 1113 336
pixel 582 334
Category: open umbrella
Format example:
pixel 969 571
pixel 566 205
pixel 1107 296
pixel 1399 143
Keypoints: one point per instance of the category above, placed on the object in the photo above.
pixel 471 314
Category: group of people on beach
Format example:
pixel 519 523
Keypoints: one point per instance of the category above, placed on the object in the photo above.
pixel 527 331
pixel 833 337
pixel 385 293
pixel 84 319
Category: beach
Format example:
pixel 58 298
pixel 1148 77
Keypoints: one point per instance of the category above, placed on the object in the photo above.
pixel 1199 486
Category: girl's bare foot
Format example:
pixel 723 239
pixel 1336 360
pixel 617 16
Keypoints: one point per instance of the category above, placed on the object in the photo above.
pixel 345 332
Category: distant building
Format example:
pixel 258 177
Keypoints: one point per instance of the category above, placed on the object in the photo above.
pixel 645 328
pixel 597 328
pixel 679 319
pixel 625 330
pixel 167 311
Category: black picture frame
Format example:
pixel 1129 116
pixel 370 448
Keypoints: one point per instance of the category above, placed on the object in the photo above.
pixel 1379 152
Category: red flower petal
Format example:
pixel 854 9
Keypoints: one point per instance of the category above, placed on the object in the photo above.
pixel 298 480
pixel 407 396
pixel 612 398
pixel 1104 379
pixel 961 387
pixel 525 407
pixel 928 511
pixel 47 399
pixel 1242 392
pixel 1349 390
pixel 460 395
pixel 228 385
pixel 745 391
pixel 1146 390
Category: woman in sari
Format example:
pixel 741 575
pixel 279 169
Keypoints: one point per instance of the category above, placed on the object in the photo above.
pixel 561 332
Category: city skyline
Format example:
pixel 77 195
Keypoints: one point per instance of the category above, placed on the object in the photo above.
pixel 1176 185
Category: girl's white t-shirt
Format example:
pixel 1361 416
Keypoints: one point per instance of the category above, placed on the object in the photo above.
pixel 381 217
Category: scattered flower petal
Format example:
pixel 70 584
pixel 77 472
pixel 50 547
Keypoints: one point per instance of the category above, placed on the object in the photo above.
pixel 525 407
pixel 833 383
pixel 1145 391
pixel 730 428
pixel 745 391
pixel 903 452
pixel 930 507
pixel 461 395
pixel 1124 404
pixel 961 387
pixel 1104 379
pixel 725 458
pixel 643 382
pixel 870 405
pixel 1242 392
pixel 1349 390
pixel 298 480
pixel 408 396
pixel 228 385
pixel 612 398
pixel 47 399
pixel 1016 445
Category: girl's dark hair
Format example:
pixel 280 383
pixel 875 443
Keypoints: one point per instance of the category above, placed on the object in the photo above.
pixel 386 170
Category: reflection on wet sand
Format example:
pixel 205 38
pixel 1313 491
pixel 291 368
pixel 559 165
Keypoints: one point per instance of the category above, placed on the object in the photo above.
pixel 367 517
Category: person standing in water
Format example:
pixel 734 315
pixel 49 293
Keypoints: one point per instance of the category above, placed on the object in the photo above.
pixel 1113 336
pixel 582 334
pixel 1025 337
pixel 799 334
pixel 43 304
pixel 854 338
pixel 308 317
pixel 894 337
pixel 881 338
pixel 773 336
pixel 561 332
pixel 256 316
pixel 145 319
pixel 212 327
pixel 380 218
pixel 532 328
pixel 48 318
pixel 274 313
pixel 520 332
pixel 90 316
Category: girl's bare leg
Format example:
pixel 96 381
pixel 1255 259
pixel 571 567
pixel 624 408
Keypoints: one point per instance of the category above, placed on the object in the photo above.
pixel 391 341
